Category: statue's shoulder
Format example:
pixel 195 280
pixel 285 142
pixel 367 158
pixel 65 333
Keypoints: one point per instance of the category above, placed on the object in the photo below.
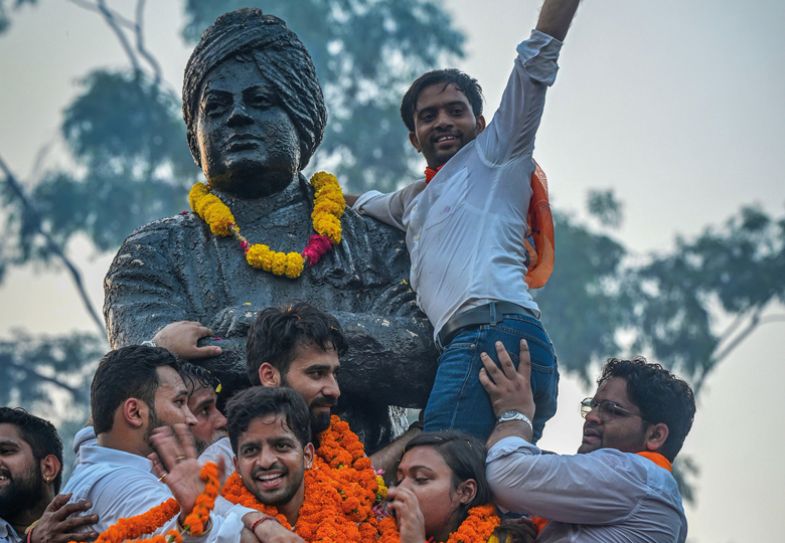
pixel 372 227
pixel 184 224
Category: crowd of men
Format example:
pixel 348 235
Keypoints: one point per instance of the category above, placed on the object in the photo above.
pixel 158 414
pixel 145 401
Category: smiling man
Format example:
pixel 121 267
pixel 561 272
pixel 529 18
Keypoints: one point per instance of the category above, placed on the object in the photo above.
pixel 271 436
pixel 619 487
pixel 466 222
pixel 31 457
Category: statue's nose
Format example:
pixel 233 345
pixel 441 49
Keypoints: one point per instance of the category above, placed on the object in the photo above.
pixel 239 115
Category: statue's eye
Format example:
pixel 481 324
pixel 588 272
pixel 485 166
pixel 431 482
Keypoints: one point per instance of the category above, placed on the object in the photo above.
pixel 212 106
pixel 260 100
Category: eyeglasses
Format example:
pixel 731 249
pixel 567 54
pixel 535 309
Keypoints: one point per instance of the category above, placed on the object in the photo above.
pixel 606 408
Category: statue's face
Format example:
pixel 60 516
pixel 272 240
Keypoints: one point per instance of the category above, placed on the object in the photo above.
pixel 248 145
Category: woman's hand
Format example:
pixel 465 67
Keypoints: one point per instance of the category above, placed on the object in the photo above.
pixel 411 523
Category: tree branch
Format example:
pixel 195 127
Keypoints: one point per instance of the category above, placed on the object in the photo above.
pixel 756 320
pixel 139 31
pixel 75 392
pixel 92 7
pixel 52 245
pixel 115 26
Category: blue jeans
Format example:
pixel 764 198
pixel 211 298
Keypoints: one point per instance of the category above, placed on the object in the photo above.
pixel 459 402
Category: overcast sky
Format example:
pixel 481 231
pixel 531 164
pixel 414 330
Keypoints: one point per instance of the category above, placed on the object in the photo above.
pixel 678 106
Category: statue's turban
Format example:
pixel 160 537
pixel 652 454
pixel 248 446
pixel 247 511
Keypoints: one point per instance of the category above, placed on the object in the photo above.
pixel 281 58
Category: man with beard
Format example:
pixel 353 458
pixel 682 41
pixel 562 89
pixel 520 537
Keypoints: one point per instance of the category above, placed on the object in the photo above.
pixel 31 458
pixel 300 347
pixel 135 390
pixel 619 486
pixel 203 389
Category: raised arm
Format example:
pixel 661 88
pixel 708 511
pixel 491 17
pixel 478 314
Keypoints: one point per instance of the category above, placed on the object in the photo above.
pixel 556 16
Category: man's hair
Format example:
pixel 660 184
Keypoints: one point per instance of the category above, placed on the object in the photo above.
pixel 660 396
pixel 247 34
pixel 128 372
pixel 40 434
pixel 196 376
pixel 278 332
pixel 256 402
pixel 464 454
pixel 465 83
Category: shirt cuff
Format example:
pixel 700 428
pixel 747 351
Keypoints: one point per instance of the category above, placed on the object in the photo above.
pixel 538 56
pixel 363 198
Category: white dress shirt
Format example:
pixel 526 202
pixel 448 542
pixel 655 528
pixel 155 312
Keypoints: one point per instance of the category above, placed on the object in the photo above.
pixel 465 229
pixel 605 496
pixel 220 450
pixel 121 484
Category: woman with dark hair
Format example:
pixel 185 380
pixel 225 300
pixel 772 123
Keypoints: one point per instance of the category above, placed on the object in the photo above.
pixel 441 491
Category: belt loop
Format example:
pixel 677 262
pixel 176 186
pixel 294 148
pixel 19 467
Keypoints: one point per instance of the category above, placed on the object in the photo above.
pixel 494 320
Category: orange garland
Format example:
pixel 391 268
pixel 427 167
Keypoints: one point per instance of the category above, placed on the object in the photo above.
pixel 478 525
pixel 132 528
pixel 340 491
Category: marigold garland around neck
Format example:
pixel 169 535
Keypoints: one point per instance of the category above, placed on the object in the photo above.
pixel 328 208
pixel 132 529
pixel 341 490
pixel 478 525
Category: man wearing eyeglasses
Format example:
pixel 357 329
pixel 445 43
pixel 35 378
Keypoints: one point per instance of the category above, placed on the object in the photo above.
pixel 619 487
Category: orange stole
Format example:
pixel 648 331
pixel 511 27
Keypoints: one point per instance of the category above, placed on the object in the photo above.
pixel 539 226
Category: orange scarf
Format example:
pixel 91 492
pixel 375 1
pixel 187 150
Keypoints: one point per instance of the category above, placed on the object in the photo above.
pixel 540 523
pixel 539 229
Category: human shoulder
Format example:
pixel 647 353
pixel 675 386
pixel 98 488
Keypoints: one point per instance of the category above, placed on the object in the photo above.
pixel 7 532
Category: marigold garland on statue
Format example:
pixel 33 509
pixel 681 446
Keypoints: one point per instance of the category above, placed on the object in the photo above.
pixel 328 207
pixel 131 529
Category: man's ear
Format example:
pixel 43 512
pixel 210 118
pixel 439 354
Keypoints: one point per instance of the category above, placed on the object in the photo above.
pixel 269 376
pixel 50 467
pixel 415 141
pixel 308 455
pixel 656 436
pixel 134 412
pixel 480 123
pixel 466 491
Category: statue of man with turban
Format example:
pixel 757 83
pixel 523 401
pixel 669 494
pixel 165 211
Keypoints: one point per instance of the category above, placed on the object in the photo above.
pixel 255 114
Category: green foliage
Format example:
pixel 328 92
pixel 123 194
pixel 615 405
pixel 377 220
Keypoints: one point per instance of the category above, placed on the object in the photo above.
pixel 122 124
pixel 738 267
pixel 4 8
pixel 39 371
pixel 127 136
pixel 603 205
pixel 366 53
pixel 585 302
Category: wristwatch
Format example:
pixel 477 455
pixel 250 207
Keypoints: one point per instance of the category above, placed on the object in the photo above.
pixel 514 414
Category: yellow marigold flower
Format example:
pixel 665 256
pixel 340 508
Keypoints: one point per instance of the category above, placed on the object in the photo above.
pixel 319 179
pixel 294 265
pixel 197 191
pixel 328 225
pixel 327 206
pixel 279 263
pixel 218 216
pixel 259 256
